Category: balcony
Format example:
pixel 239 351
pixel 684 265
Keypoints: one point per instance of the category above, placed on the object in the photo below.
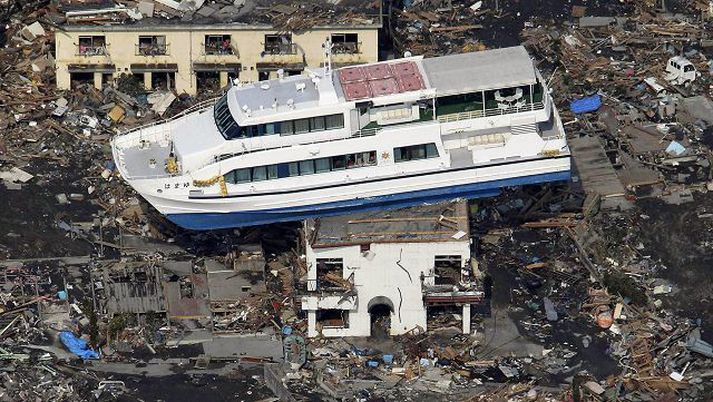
pixel 219 50
pixel 88 51
pixel 331 283
pixel 346 48
pixel 280 48
pixel 152 49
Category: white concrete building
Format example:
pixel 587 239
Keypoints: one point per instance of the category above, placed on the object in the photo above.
pixel 393 266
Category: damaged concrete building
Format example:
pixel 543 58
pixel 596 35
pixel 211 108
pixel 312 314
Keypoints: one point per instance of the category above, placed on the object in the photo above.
pixel 172 45
pixel 389 270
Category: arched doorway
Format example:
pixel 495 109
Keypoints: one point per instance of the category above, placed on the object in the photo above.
pixel 380 309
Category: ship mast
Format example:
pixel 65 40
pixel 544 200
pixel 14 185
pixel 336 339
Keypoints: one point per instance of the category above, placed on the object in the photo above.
pixel 327 46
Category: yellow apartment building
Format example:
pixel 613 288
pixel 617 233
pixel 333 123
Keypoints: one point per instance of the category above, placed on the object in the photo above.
pixel 184 56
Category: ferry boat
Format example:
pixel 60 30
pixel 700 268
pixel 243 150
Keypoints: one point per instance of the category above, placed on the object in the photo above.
pixel 384 135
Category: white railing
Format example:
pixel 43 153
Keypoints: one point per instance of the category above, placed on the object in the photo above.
pixel 197 107
pixel 476 114
pixel 365 132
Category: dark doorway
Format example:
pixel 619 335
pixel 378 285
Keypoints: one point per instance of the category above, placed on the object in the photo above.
pixel 208 81
pixel 163 80
pixel 78 79
pixel 380 314
pixel 263 75
pixel 107 79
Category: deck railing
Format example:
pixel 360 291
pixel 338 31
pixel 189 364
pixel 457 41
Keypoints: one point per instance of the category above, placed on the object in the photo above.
pixel 475 114
pixel 197 107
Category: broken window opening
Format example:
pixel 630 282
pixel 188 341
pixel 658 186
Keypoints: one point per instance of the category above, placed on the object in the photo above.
pixel 442 316
pixel 330 274
pixel 279 44
pixel 218 45
pixel 332 318
pixel 92 46
pixel 152 46
pixel 447 269
pixel 345 43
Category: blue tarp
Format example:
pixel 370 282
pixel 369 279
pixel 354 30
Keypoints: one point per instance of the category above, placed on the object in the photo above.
pixel 77 346
pixel 586 105
pixel 675 149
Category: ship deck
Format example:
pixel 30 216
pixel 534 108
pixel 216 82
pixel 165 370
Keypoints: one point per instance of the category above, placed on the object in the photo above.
pixel 147 162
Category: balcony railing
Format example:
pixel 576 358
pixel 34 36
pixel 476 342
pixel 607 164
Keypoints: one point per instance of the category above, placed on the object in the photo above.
pixel 219 50
pixel 447 118
pixel 151 49
pixel 346 48
pixel 280 48
pixel 83 50
pixel 314 285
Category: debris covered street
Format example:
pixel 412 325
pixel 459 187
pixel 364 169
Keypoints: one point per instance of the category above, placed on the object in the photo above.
pixel 593 289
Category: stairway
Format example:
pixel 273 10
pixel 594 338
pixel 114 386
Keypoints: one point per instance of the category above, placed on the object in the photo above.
pixel 528 128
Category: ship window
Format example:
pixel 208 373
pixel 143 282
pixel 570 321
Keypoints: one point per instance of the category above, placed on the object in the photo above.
pixel 306 167
pixel 301 126
pixel 322 165
pixel 260 173
pixel 301 168
pixel 335 121
pixel 287 128
pixel 415 152
pixel 227 126
pixel 238 176
pixel 272 128
pixel 339 162
pixel 317 123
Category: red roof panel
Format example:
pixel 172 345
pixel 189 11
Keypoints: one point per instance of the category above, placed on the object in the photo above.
pixel 356 90
pixel 351 74
pixel 386 86
pixel 410 82
pixel 404 68
pixel 377 71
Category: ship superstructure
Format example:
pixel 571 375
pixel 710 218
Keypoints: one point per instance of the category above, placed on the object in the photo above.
pixel 389 134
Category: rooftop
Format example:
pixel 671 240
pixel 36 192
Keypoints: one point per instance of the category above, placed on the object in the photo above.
pixel 443 222
pixel 266 94
pixel 413 76
pixel 380 79
pixel 286 15
pixel 467 72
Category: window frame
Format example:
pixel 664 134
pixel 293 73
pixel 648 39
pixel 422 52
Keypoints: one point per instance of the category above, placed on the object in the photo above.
pixel 406 153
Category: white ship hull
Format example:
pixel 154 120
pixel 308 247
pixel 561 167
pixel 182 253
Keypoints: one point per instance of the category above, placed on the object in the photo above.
pixel 234 165
pixel 216 211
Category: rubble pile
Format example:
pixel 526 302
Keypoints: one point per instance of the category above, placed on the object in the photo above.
pixel 283 15
pixel 439 27
pixel 654 121
pixel 596 290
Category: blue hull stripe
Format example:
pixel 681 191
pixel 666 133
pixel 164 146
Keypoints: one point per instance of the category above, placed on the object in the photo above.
pixel 210 221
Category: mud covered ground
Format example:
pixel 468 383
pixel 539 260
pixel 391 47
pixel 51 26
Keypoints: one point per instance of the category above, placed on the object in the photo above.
pixel 243 386
pixel 681 237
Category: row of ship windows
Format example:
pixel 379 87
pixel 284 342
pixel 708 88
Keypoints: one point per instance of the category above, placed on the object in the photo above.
pixel 230 129
pixel 324 165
